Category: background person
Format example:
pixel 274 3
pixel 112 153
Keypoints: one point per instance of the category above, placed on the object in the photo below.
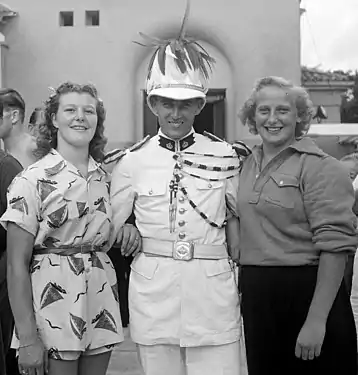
pixel 17 141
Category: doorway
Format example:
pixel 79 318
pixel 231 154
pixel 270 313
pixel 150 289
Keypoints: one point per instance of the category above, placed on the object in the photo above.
pixel 211 118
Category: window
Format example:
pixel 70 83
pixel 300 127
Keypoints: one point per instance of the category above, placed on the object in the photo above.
pixel 92 17
pixel 66 18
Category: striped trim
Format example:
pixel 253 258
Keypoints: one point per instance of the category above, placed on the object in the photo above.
pixel 210 179
pixel 209 155
pixel 117 154
pixel 214 168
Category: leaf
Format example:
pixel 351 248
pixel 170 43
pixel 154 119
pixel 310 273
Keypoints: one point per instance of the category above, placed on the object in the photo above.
pixel 105 320
pixel 161 59
pixel 151 62
pixel 185 21
pixel 55 169
pixel 77 265
pixel 78 326
pixel 115 292
pixel 151 40
pixel 50 295
pixel 58 217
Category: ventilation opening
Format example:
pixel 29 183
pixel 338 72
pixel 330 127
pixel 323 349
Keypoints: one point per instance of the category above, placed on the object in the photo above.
pixel 66 19
pixel 92 17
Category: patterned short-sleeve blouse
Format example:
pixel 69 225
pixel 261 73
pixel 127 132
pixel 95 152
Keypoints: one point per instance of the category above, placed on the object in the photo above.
pixel 75 297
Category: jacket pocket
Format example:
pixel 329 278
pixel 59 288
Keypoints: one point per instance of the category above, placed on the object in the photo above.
pixel 145 266
pixel 217 267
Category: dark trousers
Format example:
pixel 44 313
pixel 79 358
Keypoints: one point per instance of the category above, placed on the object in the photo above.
pixel 6 318
pixel 122 267
pixel 275 303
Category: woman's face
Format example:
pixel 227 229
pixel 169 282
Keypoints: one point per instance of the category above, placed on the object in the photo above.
pixel 76 119
pixel 275 116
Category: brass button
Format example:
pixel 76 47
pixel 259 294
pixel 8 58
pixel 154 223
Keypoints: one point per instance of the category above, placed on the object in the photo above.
pixel 181 223
pixel 182 211
pixel 182 235
pixel 181 199
pixel 181 176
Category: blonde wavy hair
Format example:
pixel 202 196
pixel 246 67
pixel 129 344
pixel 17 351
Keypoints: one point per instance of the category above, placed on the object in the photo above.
pixel 301 98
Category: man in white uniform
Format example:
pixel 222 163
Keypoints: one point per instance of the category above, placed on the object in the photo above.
pixel 183 300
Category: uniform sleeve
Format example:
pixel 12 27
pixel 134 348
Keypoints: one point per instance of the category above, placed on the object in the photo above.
pixel 232 189
pixel 328 200
pixel 23 205
pixel 122 193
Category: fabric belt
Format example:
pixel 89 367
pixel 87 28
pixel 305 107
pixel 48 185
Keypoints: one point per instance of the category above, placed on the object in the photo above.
pixel 183 250
pixel 65 251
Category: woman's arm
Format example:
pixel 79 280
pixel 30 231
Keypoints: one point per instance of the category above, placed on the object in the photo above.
pixel 328 198
pixel 329 278
pixel 19 252
pixel 233 238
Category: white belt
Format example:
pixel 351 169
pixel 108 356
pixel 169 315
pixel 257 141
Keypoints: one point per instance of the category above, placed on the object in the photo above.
pixel 183 250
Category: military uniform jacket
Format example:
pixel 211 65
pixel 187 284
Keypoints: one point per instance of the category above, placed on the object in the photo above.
pixel 186 303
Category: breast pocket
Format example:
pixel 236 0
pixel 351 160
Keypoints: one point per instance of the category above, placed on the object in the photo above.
pixel 281 190
pixel 208 185
pixel 151 193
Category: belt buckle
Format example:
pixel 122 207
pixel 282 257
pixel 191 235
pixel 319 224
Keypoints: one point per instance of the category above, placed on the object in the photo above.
pixel 183 250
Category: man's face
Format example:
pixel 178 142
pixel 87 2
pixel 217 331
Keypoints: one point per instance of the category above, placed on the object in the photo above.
pixel 6 123
pixel 176 117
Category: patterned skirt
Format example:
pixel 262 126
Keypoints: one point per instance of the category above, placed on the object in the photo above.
pixel 75 300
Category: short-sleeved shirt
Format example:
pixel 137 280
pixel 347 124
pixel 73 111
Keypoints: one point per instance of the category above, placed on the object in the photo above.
pixel 295 207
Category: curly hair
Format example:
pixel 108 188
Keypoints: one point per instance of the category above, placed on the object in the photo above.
pixel 47 132
pixel 301 98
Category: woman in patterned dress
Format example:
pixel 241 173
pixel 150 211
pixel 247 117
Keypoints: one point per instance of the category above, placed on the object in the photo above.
pixel 62 285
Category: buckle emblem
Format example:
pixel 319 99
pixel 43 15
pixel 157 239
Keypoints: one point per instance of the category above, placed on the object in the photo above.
pixel 183 250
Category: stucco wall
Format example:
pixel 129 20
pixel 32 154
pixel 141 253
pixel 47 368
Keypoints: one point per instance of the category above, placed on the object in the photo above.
pixel 255 38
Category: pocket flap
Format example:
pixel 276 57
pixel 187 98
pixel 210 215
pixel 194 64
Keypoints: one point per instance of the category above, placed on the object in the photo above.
pixel 283 180
pixel 217 267
pixel 145 266
pixel 208 185
pixel 152 189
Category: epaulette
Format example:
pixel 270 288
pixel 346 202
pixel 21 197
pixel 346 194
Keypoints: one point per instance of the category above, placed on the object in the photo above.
pixel 241 149
pixel 117 154
pixel 213 137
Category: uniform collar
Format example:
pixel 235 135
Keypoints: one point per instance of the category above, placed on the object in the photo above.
pixel 176 145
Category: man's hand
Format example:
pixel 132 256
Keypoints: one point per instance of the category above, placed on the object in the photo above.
pixel 130 240
pixel 310 339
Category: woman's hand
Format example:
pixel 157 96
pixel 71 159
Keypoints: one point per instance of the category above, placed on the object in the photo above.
pixel 310 339
pixel 33 359
pixel 130 240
